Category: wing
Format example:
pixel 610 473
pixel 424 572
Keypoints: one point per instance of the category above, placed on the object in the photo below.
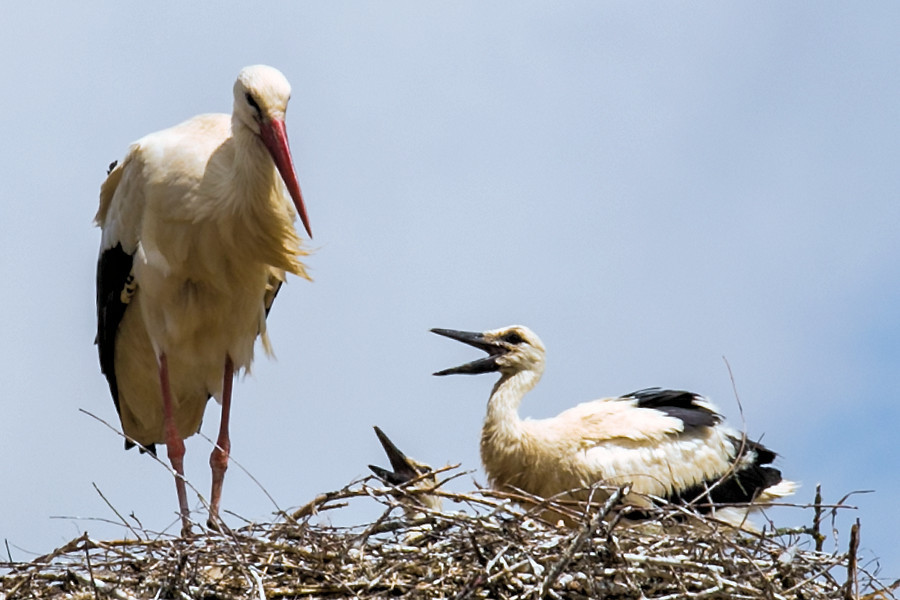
pixel 646 416
pixel 119 219
pixel 691 409
pixel 115 288
pixel 702 460
pixel 749 477
pixel 273 286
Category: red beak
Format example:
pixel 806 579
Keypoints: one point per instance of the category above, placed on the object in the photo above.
pixel 274 136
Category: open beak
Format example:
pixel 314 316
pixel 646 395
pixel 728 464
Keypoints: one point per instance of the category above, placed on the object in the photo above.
pixel 487 364
pixel 274 136
pixel 403 469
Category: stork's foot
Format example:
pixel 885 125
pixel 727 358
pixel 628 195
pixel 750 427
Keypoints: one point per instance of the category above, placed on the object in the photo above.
pixel 187 530
pixel 215 523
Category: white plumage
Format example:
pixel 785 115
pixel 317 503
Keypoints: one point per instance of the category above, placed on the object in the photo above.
pixel 666 443
pixel 197 236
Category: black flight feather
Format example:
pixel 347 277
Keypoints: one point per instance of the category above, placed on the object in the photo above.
pixel 746 481
pixel 270 301
pixel 113 275
pixel 679 404
pixel 742 485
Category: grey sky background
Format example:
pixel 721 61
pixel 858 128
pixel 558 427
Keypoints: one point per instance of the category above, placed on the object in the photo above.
pixel 651 188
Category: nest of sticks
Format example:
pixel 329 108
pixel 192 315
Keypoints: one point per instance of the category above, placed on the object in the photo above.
pixel 484 546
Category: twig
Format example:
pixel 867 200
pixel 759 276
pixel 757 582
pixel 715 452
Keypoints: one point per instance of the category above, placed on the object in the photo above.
pixel 231 460
pixel 851 589
pixel 257 578
pixel 113 508
pixel 588 530
pixel 158 460
pixel 817 519
pixel 87 560
pixel 100 586
pixel 314 505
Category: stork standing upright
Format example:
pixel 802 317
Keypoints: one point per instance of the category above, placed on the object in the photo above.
pixel 666 443
pixel 197 237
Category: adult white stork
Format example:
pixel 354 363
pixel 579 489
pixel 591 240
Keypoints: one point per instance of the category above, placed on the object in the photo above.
pixel 197 236
pixel 666 443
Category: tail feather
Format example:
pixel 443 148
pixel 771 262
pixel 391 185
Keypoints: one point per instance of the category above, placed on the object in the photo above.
pixel 751 480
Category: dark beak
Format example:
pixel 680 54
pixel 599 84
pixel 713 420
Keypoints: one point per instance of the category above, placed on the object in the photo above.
pixel 403 469
pixel 487 364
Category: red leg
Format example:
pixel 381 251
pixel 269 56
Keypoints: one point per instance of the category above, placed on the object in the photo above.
pixel 218 460
pixel 174 444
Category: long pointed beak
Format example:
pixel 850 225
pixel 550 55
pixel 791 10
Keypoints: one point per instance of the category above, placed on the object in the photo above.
pixel 487 364
pixel 274 136
pixel 403 470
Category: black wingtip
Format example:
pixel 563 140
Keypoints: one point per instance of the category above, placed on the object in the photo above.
pixel 148 449
pixel 113 272
pixel 744 484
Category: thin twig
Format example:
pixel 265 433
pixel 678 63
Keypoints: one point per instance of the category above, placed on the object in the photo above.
pixel 152 455
pixel 113 508
pixel 87 560
pixel 817 519
pixel 231 460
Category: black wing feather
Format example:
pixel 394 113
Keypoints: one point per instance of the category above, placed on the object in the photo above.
pixel 744 484
pixel 741 485
pixel 270 301
pixel 113 275
pixel 115 286
pixel 679 404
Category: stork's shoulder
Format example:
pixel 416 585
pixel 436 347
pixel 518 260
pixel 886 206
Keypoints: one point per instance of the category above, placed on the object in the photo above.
pixel 181 153
pixel 122 201
pixel 160 167
pixel 107 191
pixel 199 135
pixel 178 152
pixel 609 419
pixel 693 410
pixel 645 415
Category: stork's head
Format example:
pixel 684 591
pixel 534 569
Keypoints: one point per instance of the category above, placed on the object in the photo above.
pixel 405 469
pixel 510 350
pixel 261 95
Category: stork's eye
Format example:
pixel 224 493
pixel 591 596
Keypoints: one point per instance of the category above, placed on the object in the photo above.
pixel 252 102
pixel 513 338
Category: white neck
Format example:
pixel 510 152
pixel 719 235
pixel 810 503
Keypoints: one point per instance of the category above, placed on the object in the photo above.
pixel 503 406
pixel 253 168
pixel 504 434
pixel 263 228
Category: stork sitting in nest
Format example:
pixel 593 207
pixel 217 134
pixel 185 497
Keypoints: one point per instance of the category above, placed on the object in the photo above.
pixel 407 471
pixel 666 444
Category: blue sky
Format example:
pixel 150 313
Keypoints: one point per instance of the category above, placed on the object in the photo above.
pixel 651 188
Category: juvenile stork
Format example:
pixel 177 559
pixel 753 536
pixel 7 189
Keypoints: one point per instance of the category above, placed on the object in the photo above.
pixel 406 469
pixel 666 443
pixel 197 237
